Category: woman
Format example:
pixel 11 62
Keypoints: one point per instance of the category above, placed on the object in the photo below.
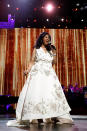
pixel 42 96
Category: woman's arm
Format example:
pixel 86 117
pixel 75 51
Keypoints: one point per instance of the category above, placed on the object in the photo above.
pixel 31 62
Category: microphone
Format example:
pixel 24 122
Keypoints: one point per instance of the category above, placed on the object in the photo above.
pixel 48 46
pixel 51 46
pixel 49 43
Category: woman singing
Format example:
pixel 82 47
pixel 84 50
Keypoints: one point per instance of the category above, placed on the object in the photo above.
pixel 42 96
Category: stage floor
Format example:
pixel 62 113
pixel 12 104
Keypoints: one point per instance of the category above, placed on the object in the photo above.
pixel 80 124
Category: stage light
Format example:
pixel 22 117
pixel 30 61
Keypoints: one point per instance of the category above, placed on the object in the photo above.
pixel 77 4
pixel 17 9
pixel 67 20
pixel 35 9
pixel 82 20
pixel 59 7
pixel 8 5
pixel 75 9
pixel 58 25
pixel 8 106
pixel 34 20
pixel 85 7
pixel 62 19
pixel 66 27
pixel 49 7
pixel 47 19
pixel 12 19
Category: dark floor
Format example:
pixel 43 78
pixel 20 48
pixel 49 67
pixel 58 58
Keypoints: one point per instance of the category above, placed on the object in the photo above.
pixel 80 124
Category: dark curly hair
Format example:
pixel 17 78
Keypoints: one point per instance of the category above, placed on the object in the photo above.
pixel 39 41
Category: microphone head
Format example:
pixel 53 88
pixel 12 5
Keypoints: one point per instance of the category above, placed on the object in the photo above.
pixel 49 43
pixel 48 46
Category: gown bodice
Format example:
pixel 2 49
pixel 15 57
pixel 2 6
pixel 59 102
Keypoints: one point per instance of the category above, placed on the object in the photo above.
pixel 43 61
pixel 42 56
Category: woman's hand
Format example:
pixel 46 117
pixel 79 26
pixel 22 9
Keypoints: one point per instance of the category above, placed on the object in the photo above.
pixel 54 57
pixel 25 72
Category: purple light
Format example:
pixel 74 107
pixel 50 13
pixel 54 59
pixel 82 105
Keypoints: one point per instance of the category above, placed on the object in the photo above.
pixel 7 107
pixel 9 24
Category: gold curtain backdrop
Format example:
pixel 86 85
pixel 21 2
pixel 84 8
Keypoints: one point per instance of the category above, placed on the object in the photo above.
pixel 16 46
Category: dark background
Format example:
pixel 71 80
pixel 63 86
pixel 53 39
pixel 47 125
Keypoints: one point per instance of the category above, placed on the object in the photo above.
pixel 29 13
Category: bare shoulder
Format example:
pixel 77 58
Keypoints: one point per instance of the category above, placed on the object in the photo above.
pixel 34 51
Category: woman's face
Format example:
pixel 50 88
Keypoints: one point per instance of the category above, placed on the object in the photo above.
pixel 46 39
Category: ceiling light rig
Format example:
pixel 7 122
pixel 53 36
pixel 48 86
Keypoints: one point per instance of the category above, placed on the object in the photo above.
pixel 47 14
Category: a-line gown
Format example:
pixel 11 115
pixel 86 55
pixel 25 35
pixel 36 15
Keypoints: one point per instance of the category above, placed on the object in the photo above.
pixel 42 95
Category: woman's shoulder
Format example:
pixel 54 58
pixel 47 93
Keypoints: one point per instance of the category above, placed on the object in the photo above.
pixel 36 50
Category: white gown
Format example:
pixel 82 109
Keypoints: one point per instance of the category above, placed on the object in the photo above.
pixel 42 95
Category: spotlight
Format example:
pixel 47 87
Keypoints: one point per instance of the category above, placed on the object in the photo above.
pixel 82 20
pixel 35 9
pixel 58 25
pixel 12 19
pixel 47 19
pixel 62 19
pixel 49 7
pixel 85 7
pixel 8 5
pixel 67 20
pixel 77 4
pixel 8 106
pixel 44 27
pixel 75 9
pixel 35 20
pixel 59 7
pixel 66 27
pixel 17 9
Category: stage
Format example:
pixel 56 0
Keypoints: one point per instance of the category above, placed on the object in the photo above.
pixel 80 124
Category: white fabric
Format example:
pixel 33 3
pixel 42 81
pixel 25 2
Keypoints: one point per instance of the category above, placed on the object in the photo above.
pixel 42 95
